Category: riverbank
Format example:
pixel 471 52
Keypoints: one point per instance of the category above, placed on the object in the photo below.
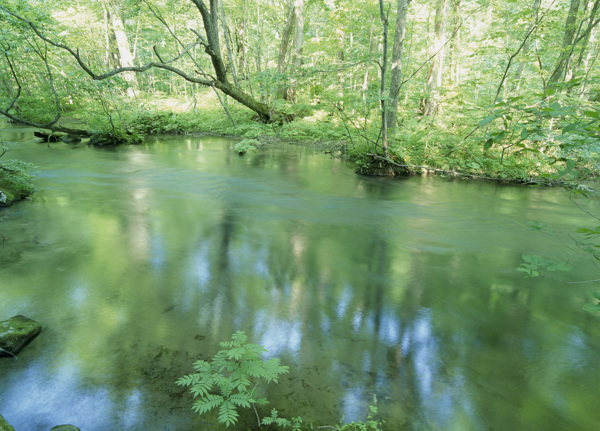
pixel 419 144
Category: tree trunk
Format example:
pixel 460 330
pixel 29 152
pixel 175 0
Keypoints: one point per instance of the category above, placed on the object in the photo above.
pixel 213 49
pixel 228 46
pixel 211 44
pixel 585 39
pixel 384 124
pixel 297 47
pixel 396 76
pixel 526 45
pixel 569 34
pixel 455 44
pixel 123 47
pixel 284 44
pixel 430 104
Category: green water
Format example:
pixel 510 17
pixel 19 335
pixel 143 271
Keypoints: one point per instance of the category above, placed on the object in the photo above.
pixel 139 260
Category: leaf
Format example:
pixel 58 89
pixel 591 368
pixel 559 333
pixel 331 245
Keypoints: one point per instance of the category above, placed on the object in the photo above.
pixel 207 403
pixel 242 400
pixel 487 120
pixel 202 388
pixel 595 294
pixel 592 114
pixel 228 413
pixel 488 144
pixel 569 128
pixel 591 308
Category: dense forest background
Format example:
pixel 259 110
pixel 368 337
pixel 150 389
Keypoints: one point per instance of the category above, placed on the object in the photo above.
pixel 502 88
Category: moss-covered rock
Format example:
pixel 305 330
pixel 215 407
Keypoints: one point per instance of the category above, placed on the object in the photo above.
pixel 15 181
pixel 16 333
pixel 65 428
pixel 5 426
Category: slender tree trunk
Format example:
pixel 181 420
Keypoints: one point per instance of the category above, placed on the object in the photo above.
pixel 585 39
pixel 430 103
pixel 455 44
pixel 396 76
pixel 384 123
pixel 282 65
pixel 228 45
pixel 568 36
pixel 297 47
pixel 526 46
pixel 123 46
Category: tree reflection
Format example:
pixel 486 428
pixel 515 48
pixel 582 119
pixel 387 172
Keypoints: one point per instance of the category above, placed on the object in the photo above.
pixel 148 257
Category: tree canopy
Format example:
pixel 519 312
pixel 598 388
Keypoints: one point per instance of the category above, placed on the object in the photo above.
pixel 470 78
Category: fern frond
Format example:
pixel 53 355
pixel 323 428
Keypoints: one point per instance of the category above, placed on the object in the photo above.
pixel 207 403
pixel 228 413
pixel 240 337
pixel 202 366
pixel 190 379
pixel 242 400
pixel 261 401
pixel 202 387
pixel 236 353
pixel 273 369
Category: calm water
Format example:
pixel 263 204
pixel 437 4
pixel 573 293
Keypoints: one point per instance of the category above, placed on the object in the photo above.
pixel 139 260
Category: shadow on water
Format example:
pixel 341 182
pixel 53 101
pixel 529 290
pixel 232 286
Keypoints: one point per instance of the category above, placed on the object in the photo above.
pixel 138 261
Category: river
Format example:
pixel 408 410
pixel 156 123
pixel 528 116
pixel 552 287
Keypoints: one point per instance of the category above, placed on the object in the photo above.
pixel 138 260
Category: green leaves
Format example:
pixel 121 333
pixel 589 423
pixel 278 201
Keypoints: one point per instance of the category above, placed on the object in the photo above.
pixel 593 307
pixel 229 380
pixel 534 264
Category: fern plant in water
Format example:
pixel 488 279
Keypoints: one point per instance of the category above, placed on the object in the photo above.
pixel 230 379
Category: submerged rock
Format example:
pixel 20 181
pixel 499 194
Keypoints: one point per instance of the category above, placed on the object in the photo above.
pixel 15 181
pixel 16 333
pixel 5 426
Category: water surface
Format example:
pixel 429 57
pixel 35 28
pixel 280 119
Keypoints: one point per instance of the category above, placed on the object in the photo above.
pixel 139 260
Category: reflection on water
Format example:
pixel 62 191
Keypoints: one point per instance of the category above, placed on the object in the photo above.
pixel 139 260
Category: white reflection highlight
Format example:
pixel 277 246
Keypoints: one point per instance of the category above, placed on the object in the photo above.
pixel 424 346
pixel 282 337
pixel 344 302
pixel 357 320
pixel 352 404
pixel 34 398
pixel 200 267
pixel 390 328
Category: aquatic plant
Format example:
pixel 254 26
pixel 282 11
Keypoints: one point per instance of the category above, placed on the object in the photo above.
pixel 231 378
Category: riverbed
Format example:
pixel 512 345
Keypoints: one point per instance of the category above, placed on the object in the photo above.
pixel 139 260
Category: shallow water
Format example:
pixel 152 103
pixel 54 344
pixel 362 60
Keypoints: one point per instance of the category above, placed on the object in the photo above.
pixel 139 260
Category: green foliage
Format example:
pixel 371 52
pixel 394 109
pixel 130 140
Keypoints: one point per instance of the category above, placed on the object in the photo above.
pixel 371 424
pixel 231 378
pixel 562 132
pixel 593 307
pixel 295 423
pixel 533 265
pixel 15 179
pixel 247 146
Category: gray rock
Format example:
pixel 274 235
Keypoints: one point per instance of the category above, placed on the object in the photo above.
pixel 16 333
